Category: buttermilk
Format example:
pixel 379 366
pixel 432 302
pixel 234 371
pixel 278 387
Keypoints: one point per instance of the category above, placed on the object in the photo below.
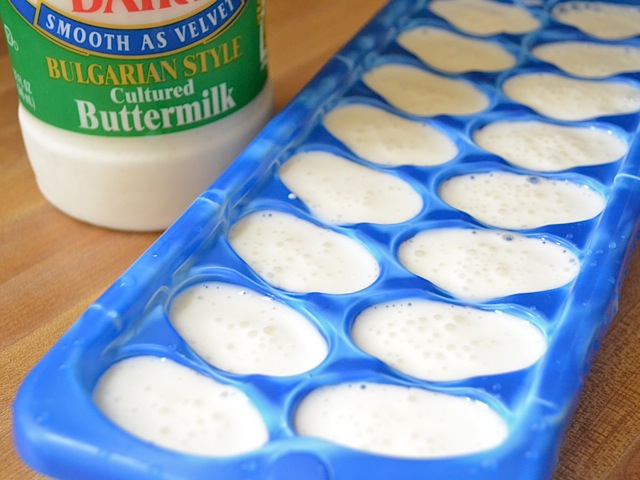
pixel 213 102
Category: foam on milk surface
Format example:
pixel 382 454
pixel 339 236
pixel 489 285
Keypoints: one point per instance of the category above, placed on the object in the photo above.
pixel 296 255
pixel 483 264
pixel 484 17
pixel 590 59
pixel 340 191
pixel 513 201
pixel 547 147
pixel 565 98
pixel 174 407
pixel 608 21
pixel 443 342
pixel 241 331
pixel 422 93
pixel 399 421
pixel 384 138
pixel 450 52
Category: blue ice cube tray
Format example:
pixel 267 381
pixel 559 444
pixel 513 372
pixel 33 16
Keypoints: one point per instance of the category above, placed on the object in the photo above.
pixel 60 431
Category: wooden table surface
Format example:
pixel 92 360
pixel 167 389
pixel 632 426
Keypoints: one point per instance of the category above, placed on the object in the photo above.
pixel 52 267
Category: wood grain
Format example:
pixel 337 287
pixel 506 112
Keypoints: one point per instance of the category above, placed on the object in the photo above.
pixel 53 267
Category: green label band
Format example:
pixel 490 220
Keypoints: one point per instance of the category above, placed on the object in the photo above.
pixel 216 65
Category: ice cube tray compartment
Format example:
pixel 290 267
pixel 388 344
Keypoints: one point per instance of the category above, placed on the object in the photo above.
pixel 61 432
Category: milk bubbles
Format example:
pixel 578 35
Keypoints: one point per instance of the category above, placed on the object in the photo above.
pixel 423 93
pixel 399 421
pixel 298 256
pixel 174 407
pixel 479 265
pixel 546 147
pixel 609 21
pixel 241 331
pixel 485 17
pixel 454 53
pixel 512 201
pixel 384 138
pixel 340 191
pixel 443 342
pixel 572 99
pixel 589 59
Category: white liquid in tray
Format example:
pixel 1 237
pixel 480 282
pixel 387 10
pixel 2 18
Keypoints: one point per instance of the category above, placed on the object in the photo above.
pixel 481 264
pixel 565 98
pixel 399 421
pixel 485 17
pixel 241 331
pixel 422 93
pixel 340 191
pixel 387 139
pixel 441 342
pixel 512 201
pixel 546 147
pixel 609 21
pixel 455 53
pixel 177 408
pixel 590 59
pixel 295 255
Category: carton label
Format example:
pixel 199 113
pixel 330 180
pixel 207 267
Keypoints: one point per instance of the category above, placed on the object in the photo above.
pixel 135 67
